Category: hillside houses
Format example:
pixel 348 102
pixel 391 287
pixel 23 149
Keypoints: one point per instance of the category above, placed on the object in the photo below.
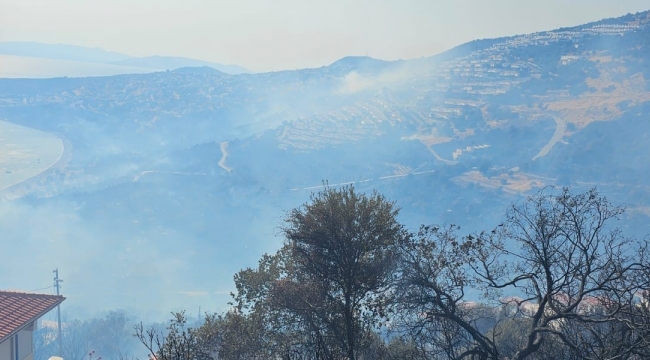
pixel 491 71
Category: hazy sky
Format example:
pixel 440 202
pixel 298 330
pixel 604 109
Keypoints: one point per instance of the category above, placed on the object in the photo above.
pixel 283 34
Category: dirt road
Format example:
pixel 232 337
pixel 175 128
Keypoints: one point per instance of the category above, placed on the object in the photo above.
pixel 560 129
pixel 224 155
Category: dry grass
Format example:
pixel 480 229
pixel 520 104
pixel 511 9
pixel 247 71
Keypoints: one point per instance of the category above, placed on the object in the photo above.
pixel 515 183
pixel 599 105
pixel 399 169
pixel 430 140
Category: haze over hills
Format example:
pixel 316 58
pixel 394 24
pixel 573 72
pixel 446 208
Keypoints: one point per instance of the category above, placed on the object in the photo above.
pixel 172 181
pixel 39 60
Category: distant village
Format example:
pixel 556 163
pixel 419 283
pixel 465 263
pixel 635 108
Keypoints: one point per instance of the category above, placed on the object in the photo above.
pixel 472 78
pixel 439 92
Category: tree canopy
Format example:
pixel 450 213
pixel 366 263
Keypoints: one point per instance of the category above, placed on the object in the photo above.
pixel 557 279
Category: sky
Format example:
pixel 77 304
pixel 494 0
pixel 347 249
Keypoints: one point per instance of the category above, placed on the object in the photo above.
pixel 265 35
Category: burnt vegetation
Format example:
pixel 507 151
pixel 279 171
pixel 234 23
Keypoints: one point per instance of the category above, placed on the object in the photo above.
pixel 557 279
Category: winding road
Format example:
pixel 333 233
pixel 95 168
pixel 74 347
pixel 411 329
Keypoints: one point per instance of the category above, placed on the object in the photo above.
pixel 560 129
pixel 224 155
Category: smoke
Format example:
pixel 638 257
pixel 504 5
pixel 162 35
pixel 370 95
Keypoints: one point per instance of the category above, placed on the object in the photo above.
pixel 398 76
pixel 149 273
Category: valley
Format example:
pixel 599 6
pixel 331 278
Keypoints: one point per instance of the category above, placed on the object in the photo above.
pixel 175 180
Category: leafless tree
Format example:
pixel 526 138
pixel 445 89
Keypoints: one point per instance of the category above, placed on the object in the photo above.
pixel 557 269
pixel 76 343
pixel 579 276
pixel 430 297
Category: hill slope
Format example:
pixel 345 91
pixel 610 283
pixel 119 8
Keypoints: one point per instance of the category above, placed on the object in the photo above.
pixel 185 173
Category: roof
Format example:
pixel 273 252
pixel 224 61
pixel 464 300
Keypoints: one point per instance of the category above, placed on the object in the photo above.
pixel 19 309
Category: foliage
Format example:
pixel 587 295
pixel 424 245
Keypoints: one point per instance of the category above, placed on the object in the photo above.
pixel 343 246
pixel 107 337
pixel 329 281
pixel 556 280
pixel 180 342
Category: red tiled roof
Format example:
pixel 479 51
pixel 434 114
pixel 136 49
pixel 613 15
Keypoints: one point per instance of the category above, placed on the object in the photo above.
pixel 19 309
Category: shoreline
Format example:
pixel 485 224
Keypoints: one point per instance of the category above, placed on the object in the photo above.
pixel 64 150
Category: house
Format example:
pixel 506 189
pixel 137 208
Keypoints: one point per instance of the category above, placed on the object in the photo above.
pixel 19 312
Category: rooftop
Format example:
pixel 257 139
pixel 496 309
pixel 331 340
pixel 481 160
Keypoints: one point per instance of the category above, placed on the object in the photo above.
pixel 19 309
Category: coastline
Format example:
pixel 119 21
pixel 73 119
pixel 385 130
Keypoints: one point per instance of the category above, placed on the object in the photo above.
pixel 26 149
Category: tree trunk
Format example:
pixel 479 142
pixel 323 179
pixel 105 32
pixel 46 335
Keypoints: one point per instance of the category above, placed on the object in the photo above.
pixel 349 327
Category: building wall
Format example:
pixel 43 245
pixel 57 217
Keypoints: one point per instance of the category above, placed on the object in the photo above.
pixel 5 349
pixel 24 345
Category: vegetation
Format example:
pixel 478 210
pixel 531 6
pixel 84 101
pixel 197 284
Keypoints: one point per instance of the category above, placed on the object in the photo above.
pixel 556 280
pixel 106 337
pixel 142 151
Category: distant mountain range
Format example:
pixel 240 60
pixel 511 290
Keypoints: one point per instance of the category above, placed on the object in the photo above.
pixel 81 54
pixel 177 179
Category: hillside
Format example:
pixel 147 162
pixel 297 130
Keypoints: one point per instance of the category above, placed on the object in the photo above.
pixel 451 138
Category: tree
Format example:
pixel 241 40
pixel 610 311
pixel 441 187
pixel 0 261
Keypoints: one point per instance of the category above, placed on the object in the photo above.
pixel 76 342
pixel 572 283
pixel 430 300
pixel 106 337
pixel 579 276
pixel 181 342
pixel 262 321
pixel 556 279
pixel 330 280
pixel 45 344
pixel 241 337
pixel 110 335
pixel 510 336
pixel 344 247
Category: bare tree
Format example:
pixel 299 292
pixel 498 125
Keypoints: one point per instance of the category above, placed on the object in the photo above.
pixel 76 342
pixel 430 297
pixel 557 271
pixel 179 343
pixel 579 276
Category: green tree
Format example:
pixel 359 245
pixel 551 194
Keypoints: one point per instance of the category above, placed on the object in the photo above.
pixel 270 327
pixel 330 280
pixel 344 247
